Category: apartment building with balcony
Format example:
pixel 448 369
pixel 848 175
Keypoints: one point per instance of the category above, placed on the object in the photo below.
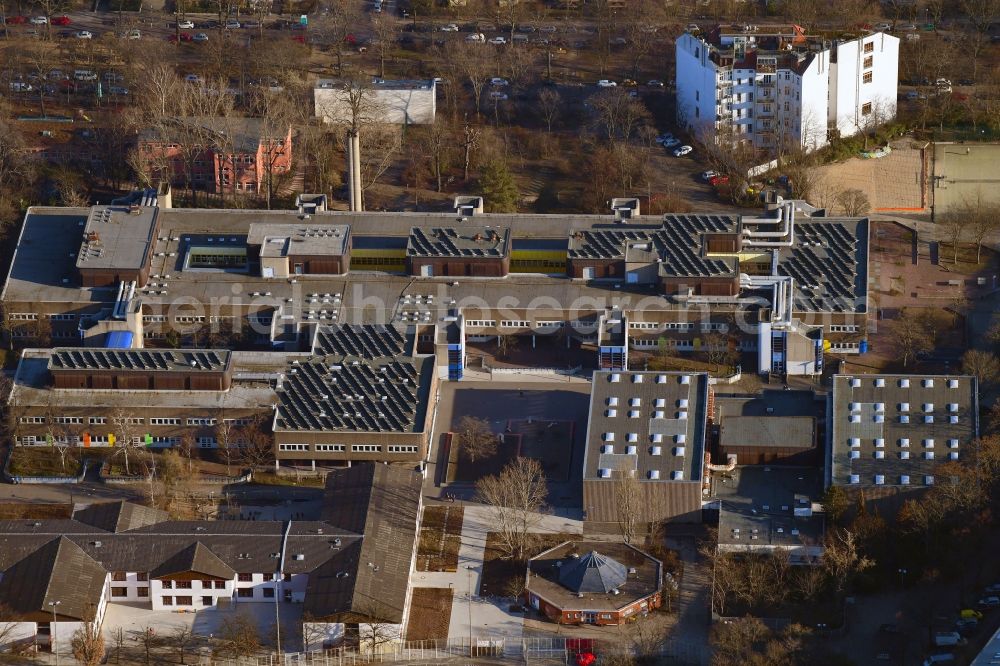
pixel 774 87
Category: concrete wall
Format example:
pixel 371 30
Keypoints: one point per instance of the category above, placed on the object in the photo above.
pixel 695 79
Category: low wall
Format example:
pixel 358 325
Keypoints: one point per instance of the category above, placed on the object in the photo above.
pixel 554 372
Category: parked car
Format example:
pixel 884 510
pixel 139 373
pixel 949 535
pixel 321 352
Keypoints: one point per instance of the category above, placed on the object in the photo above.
pixel 57 75
pixel 940 658
pixel 682 151
pixel 692 27
pixel 654 83
pixel 20 86
pixel 39 20
pixel 183 37
pixel 888 628
pixel 113 77
pixel 497 81
pixel 133 34
pixel 708 175
pixel 497 95
pixel 606 83
pixel 671 142
pixel 906 27
pixel 84 75
pixel 200 37
pixel 498 41
pixel 883 27
pixel 992 588
pixel 915 95
pixel 16 20
pixel 476 37
pixel 192 78
pixel 118 90
pixel 251 24
pixel 913 37
pixel 970 614
pixel 185 24
pixel 232 24
pixel 947 639
pixel 548 28
pixel 721 179
pixel 84 34
pixel 451 27
pixel 989 602
pixel 60 20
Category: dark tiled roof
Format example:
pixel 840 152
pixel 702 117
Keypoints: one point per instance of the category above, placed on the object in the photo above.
pixel 58 571
pixel 120 516
pixel 382 502
pixel 195 558
pixel 593 573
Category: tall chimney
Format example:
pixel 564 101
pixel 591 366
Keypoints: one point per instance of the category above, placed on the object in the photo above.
pixel 354 171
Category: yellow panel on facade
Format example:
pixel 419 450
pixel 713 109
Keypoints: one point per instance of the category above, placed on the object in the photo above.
pixel 538 261
pixel 390 260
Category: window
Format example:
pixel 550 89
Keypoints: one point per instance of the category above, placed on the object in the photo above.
pixel 168 601
pixel 293 447
pixel 330 448
pixel 869 47
pixel 168 585
pixel 164 422
pixel 62 317
pixel 142 591
pixel 118 576
pixel 142 576
pixel 184 601
pixel 245 593
pixel 867 77
pixel 269 593
pixel 245 578
pixel 366 448
pixel 866 109
pixel 119 591
pixel 201 422
pixel 183 585
pixel 400 448
pixel 869 61
pixel 69 420
pixel 288 578
pixel 97 420
pixel 220 584
pixel 32 419
pixel 206 585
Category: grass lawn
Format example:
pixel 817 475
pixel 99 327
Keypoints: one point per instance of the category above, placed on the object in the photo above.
pixel 504 577
pixel 430 613
pixel 43 461
pixel 271 479
pixel 440 537
pixel 138 465
pixel 19 510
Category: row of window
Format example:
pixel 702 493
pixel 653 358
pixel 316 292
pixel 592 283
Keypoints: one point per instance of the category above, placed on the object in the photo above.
pixel 355 448
pixel 843 328
pixel 157 421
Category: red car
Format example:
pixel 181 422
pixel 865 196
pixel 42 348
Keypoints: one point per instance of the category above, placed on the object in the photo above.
pixel 719 180
pixel 17 20
pixel 185 37
pixel 60 20
pixel 301 39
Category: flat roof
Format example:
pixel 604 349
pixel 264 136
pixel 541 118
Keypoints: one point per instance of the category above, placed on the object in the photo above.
pixel 643 575
pixel 768 431
pixel 140 360
pixel 758 505
pixel 649 423
pixel 895 430
pixel 117 237
pixel 279 240
pixel 465 241
pixel 829 263
pixel 380 84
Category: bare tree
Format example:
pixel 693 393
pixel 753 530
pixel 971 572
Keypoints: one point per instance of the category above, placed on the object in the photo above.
pixel 384 34
pixel 550 102
pixel 628 504
pixel 147 638
pixel 181 639
pixel 88 644
pixel 515 497
pixel 239 637
pixel 842 559
pixel 124 423
pixel 225 436
pixel 911 336
pixel 10 622
pixel 505 345
pixel 854 203
pixel 374 630
pixel 256 444
pixel 983 365
pixel 276 111
pixel 476 440
pixel 954 225
pixel 335 26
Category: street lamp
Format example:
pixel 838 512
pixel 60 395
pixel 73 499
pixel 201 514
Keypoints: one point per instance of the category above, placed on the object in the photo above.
pixel 52 633
pixel 468 569
pixel 902 572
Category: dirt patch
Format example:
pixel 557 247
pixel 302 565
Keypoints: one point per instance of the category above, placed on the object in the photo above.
pixel 18 511
pixel 440 538
pixel 44 461
pixel 548 442
pixel 503 576
pixel 463 470
pixel 430 613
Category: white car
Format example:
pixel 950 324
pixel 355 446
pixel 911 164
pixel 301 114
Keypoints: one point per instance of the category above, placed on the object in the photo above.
pixel 883 27
pixel 708 175
pixel 606 83
pixel 84 34
pixel 232 24
pixel 133 34
pixel 39 20
pixel 451 27
pixel 497 81
pixel 200 37
pixel 20 86
pixel 497 95
pixel 682 151
pixel 185 24
pixel 498 41
pixel 476 37
pixel 192 78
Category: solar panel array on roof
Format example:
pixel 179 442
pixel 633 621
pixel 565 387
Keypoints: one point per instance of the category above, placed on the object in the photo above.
pixel 823 263
pixel 605 244
pixel 352 396
pixel 367 342
pixel 139 360
pixel 448 242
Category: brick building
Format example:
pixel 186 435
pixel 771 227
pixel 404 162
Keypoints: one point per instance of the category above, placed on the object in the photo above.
pixel 599 582
pixel 217 154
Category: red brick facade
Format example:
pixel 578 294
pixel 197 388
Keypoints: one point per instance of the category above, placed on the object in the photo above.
pixel 598 617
